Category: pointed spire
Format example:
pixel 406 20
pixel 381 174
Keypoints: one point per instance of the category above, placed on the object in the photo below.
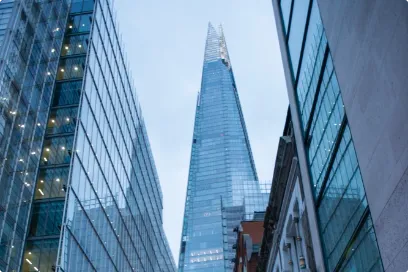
pixel 216 47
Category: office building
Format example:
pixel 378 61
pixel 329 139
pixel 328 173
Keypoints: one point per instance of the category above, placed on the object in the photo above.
pixel 222 174
pixel 286 243
pixel 345 64
pixel 79 189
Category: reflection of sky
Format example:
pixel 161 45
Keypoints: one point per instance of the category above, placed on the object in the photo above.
pixel 165 46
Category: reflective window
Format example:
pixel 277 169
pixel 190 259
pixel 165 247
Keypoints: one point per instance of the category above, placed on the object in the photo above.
pixel 343 203
pixel 67 93
pixel 62 120
pixel 40 256
pixel 51 182
pixel 297 30
pixel 82 6
pixel 363 254
pixel 315 47
pixel 326 123
pixel 46 218
pixel 79 23
pixel 57 150
pixel 74 45
pixel 286 5
pixel 71 68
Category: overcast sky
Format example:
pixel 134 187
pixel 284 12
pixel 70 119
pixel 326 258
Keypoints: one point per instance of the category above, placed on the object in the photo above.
pixel 164 41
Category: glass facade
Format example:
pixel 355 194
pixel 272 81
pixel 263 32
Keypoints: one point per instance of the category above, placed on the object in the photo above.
pixel 79 187
pixel 221 167
pixel 347 234
pixel 29 59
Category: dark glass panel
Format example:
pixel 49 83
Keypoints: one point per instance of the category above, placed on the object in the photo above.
pixel 72 68
pixel 46 218
pixel 51 183
pixel 297 30
pixel 67 93
pixel 40 256
pixel 62 120
pixel 57 150
pixel 74 45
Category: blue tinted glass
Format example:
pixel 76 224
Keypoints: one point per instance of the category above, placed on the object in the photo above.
pixel 297 30
pixel 364 254
pixel 27 76
pixel 222 172
pixel 285 9
pixel 335 173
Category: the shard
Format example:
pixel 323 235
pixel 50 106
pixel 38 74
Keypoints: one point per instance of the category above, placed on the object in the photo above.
pixel 223 186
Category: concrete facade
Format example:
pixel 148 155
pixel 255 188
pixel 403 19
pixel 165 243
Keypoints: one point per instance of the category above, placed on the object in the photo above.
pixel 368 40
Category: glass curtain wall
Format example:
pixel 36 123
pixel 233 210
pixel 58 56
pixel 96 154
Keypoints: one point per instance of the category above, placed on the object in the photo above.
pixel 113 218
pixel 29 31
pixel 346 228
pixel 49 198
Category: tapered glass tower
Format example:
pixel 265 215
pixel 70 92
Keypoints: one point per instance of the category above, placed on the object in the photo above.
pixel 222 169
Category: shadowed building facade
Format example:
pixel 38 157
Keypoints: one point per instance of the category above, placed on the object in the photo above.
pixel 344 63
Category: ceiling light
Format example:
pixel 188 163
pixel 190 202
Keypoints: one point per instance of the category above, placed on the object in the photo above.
pixel 41 192
pixel 29 261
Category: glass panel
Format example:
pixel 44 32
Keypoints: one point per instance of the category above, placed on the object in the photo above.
pixel 285 9
pixel 62 120
pixel 363 254
pixel 79 23
pixel 312 60
pixel 71 68
pixel 297 30
pixel 73 45
pixel 40 256
pixel 67 93
pixel 46 218
pixel 51 183
pixel 57 151
pixel 325 126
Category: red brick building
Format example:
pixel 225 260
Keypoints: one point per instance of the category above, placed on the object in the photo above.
pixel 248 244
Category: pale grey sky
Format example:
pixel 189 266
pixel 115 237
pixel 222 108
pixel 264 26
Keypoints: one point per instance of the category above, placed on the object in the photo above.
pixel 164 41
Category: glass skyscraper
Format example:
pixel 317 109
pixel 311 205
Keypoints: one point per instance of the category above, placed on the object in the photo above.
pixel 222 181
pixel 79 189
